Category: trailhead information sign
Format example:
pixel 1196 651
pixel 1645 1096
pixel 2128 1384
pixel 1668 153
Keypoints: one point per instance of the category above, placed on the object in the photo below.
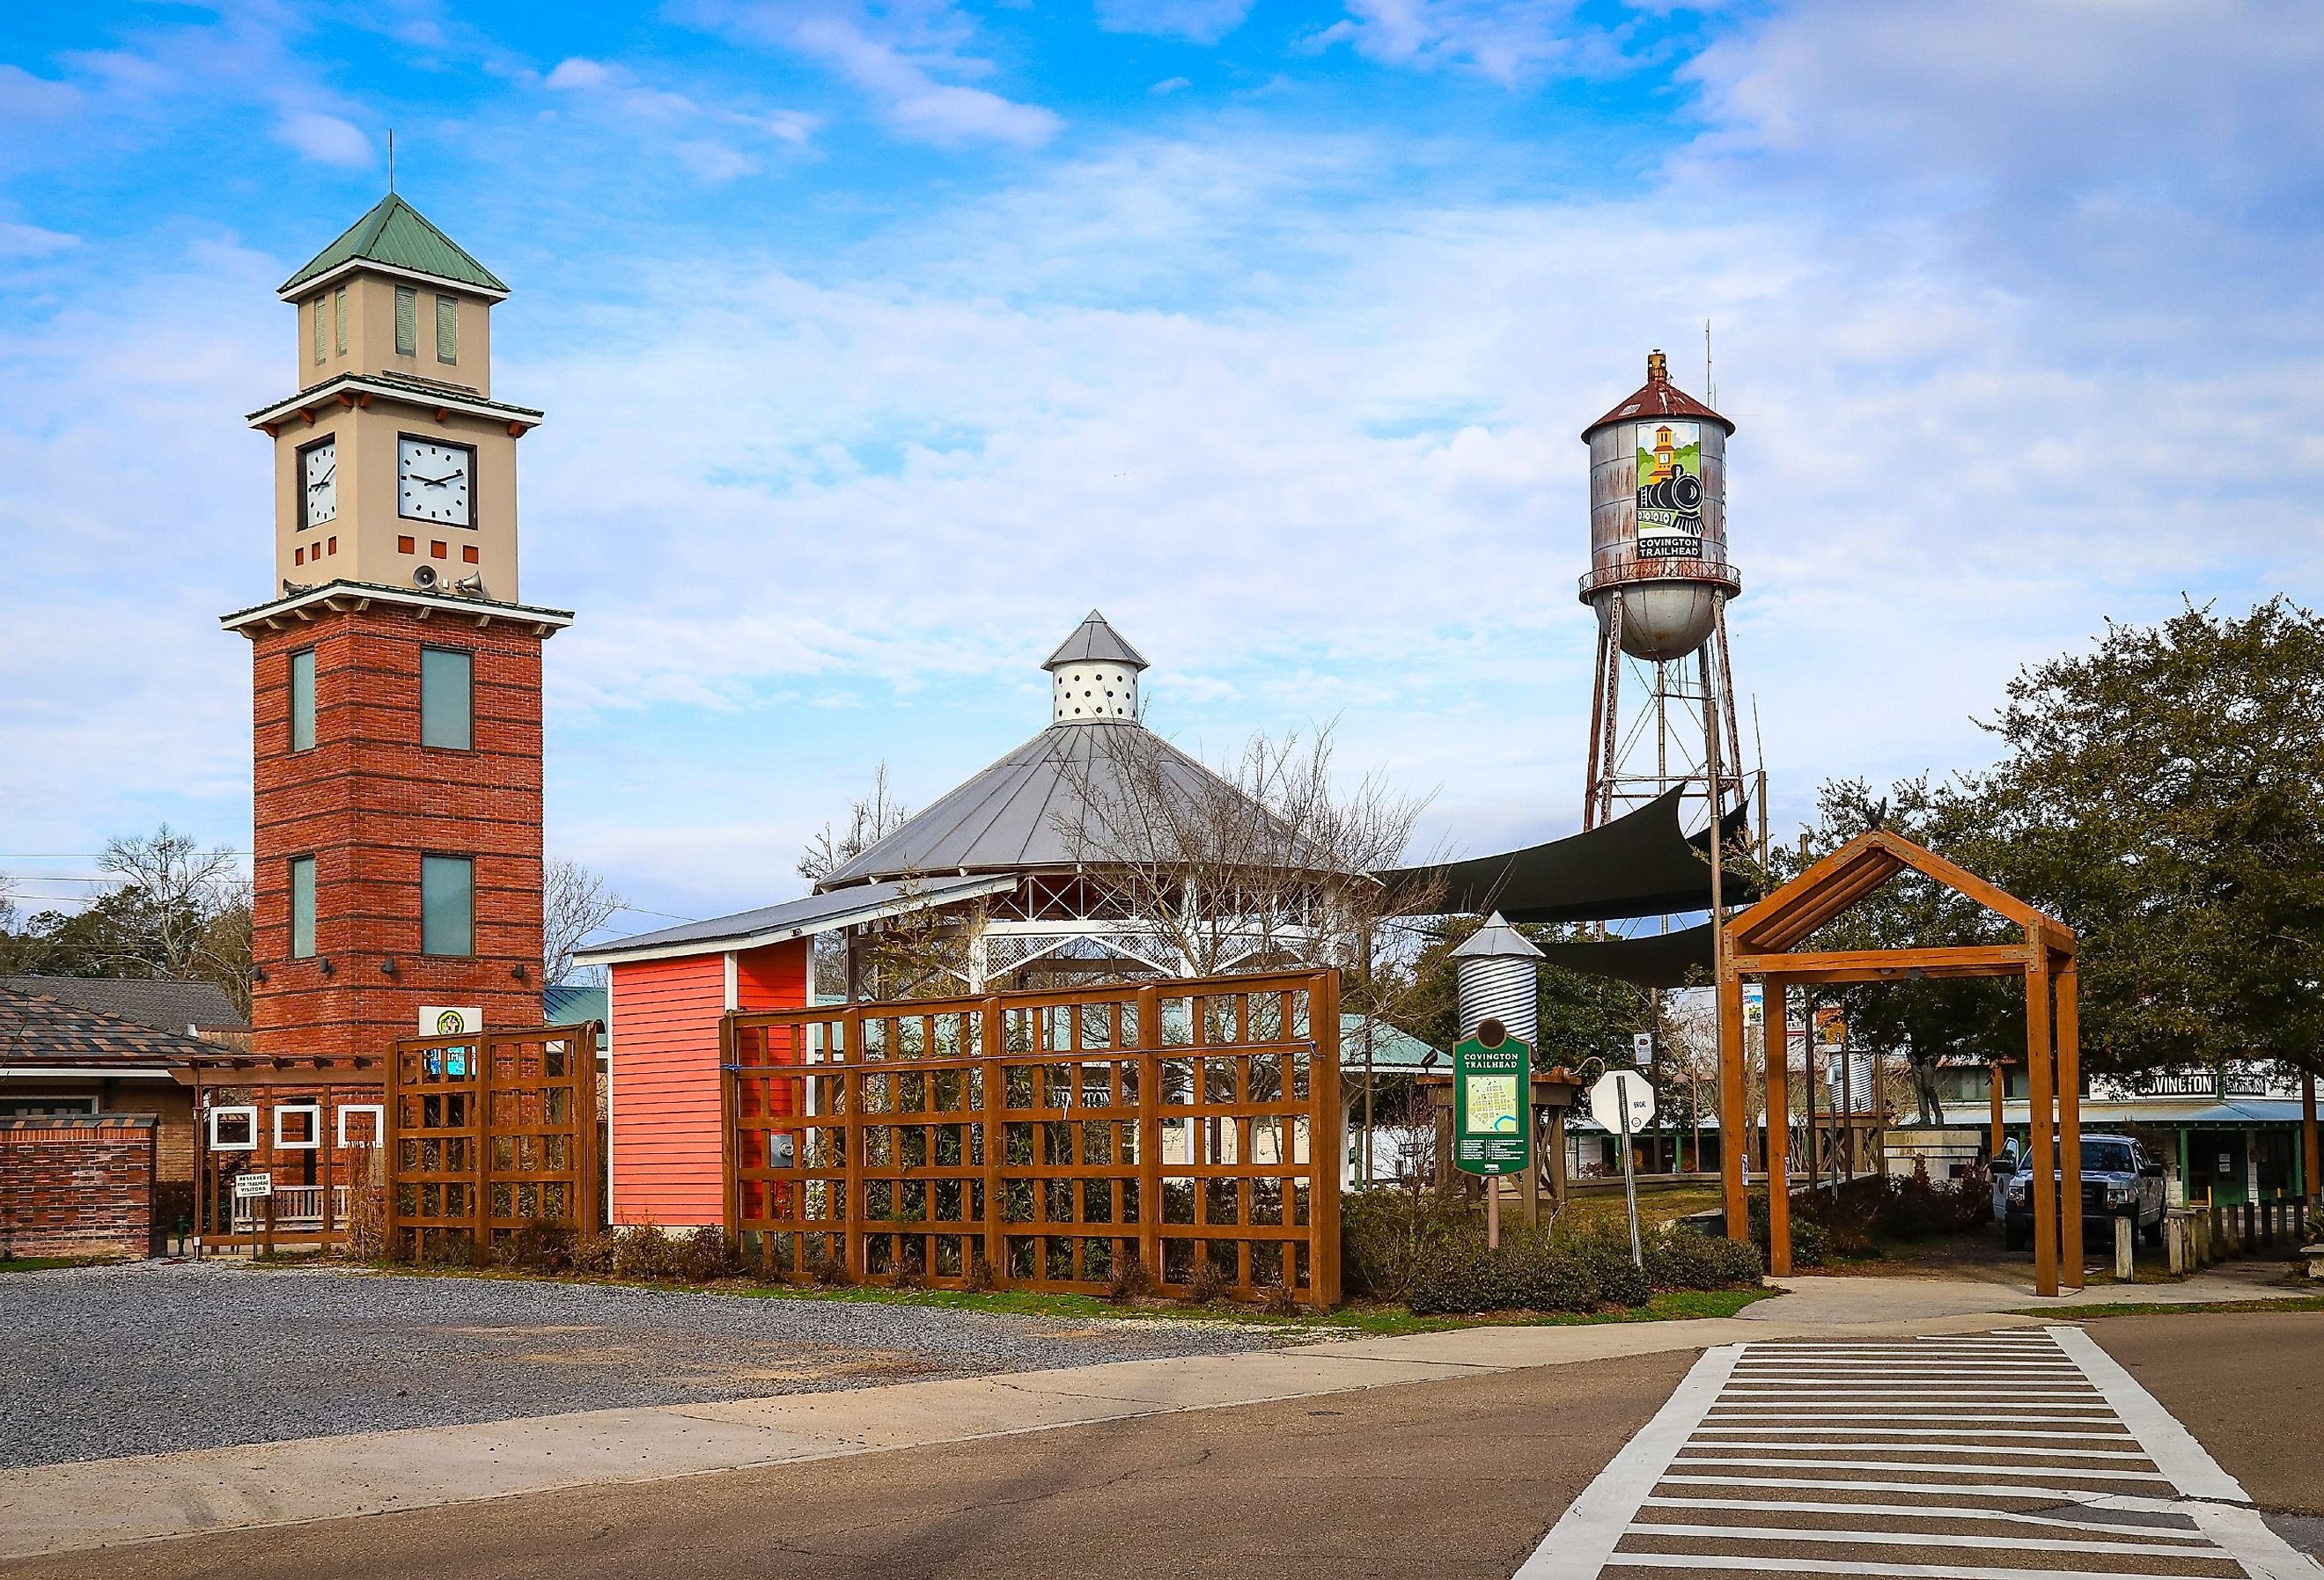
pixel 1492 1081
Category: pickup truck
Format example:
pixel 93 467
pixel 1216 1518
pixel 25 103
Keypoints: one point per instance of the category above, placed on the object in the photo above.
pixel 2118 1181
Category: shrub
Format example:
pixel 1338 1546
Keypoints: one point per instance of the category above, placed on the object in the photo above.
pixel 709 1252
pixel 1528 1272
pixel 1811 1241
pixel 1388 1233
pixel 828 1270
pixel 647 1251
pixel 1279 1299
pixel 594 1253
pixel 1131 1280
pixel 541 1246
pixel 981 1280
pixel 1210 1280
pixel 1687 1258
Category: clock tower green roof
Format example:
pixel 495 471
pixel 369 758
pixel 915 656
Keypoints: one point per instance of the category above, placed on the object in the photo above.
pixel 399 235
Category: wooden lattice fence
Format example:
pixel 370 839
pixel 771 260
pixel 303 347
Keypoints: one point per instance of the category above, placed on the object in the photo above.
pixel 488 1134
pixel 1049 1136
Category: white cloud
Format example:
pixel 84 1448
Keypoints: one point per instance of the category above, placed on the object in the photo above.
pixel 905 58
pixel 1509 41
pixel 325 139
pixel 713 161
pixel 1171 85
pixel 30 241
pixel 577 73
pixel 1202 21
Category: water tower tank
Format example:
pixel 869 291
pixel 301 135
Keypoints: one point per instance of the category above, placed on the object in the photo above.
pixel 1658 518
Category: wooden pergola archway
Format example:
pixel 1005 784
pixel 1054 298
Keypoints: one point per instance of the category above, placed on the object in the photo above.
pixel 1764 941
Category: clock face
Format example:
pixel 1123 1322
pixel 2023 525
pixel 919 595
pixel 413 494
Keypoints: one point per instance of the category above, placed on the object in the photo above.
pixel 435 482
pixel 318 478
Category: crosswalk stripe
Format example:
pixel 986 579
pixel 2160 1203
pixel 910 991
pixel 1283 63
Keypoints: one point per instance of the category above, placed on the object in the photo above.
pixel 1910 1540
pixel 1757 1435
pixel 1917 1511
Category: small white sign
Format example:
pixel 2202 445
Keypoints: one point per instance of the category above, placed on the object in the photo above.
pixel 1642 1047
pixel 450 1020
pixel 1619 1091
pixel 246 1185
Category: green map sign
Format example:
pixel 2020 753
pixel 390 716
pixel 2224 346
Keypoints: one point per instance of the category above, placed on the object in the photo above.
pixel 1492 1107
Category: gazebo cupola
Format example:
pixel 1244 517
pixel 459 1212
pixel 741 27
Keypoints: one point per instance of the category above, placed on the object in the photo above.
pixel 1094 675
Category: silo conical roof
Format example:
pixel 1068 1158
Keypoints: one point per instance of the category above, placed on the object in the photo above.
pixel 1496 938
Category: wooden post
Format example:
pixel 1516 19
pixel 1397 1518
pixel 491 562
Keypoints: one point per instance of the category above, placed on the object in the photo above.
pixel 1998 1083
pixel 1731 1140
pixel 2070 1125
pixel 2043 1194
pixel 1325 1146
pixel 324 1133
pixel 2311 1178
pixel 1775 1038
pixel 850 1103
pixel 1149 1135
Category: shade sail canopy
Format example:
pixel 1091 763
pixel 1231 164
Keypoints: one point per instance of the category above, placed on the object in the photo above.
pixel 1657 960
pixel 1638 865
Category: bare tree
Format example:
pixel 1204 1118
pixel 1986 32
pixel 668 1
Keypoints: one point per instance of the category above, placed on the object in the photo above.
pixel 174 887
pixel 1268 863
pixel 870 818
pixel 575 903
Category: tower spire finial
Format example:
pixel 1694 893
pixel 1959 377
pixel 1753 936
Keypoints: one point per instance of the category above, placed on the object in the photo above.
pixel 390 159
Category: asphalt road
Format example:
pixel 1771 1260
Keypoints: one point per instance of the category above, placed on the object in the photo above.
pixel 1448 1479
pixel 1454 1479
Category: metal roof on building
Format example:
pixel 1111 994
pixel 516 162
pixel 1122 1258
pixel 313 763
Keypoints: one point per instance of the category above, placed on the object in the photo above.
pixel 1093 642
pixel 794 918
pixel 1023 813
pixel 396 234
pixel 1393 1051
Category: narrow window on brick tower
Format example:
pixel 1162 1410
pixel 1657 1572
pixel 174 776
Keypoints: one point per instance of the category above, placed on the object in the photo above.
pixel 448 905
pixel 448 688
pixel 302 701
pixel 302 908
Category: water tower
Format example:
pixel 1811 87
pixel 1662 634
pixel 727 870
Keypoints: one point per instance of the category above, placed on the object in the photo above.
pixel 1659 580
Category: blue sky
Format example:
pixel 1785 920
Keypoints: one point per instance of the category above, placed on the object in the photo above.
pixel 879 342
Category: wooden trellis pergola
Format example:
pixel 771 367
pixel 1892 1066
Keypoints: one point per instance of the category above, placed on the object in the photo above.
pixel 1764 942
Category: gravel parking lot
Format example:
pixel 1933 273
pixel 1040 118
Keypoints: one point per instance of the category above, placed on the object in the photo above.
pixel 154 1357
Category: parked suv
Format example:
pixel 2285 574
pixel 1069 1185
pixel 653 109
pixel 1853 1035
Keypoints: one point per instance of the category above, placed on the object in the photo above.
pixel 2118 1181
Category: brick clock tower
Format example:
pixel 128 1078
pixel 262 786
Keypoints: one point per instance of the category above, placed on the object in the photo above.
pixel 396 674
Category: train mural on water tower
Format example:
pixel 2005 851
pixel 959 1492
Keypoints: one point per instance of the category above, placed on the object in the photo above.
pixel 1659 582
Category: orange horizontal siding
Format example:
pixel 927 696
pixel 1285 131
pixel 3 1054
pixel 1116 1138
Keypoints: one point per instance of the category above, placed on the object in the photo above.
pixel 666 1149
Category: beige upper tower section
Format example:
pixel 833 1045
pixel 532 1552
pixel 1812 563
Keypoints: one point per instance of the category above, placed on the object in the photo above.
pixel 395 467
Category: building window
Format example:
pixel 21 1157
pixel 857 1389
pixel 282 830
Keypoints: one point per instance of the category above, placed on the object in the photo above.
pixel 339 319
pixel 447 684
pixel 448 328
pixel 448 905
pixel 407 321
pixel 315 316
pixel 302 701
pixel 302 908
pixel 234 1129
pixel 297 1127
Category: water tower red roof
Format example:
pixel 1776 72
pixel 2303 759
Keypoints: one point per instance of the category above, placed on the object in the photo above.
pixel 1658 397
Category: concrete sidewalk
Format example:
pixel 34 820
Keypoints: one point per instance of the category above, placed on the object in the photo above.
pixel 101 1503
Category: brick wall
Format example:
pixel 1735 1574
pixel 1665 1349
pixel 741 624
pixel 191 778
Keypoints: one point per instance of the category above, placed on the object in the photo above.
pixel 367 801
pixel 77 1187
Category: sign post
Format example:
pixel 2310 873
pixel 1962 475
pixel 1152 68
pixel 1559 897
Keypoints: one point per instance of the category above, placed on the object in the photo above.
pixel 1621 1100
pixel 1492 1113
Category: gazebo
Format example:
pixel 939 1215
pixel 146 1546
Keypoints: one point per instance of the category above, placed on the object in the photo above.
pixel 1764 942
